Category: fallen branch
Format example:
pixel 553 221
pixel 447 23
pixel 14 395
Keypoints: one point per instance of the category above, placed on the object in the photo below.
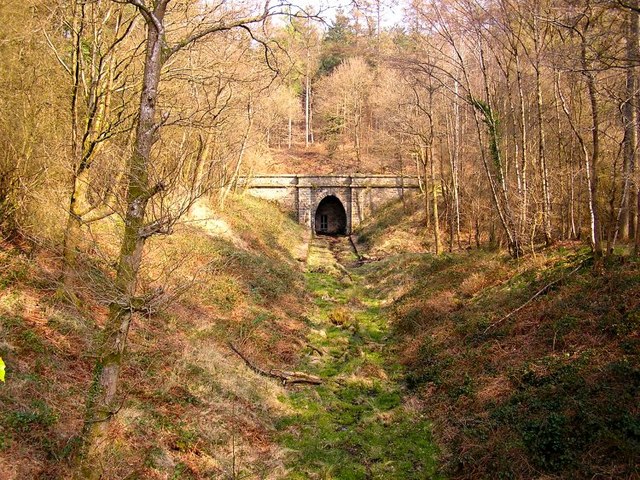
pixel 315 349
pixel 303 344
pixel 536 295
pixel 343 269
pixel 283 375
pixel 355 249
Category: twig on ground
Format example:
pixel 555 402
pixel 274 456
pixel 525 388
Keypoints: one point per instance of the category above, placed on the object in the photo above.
pixel 355 249
pixel 283 375
pixel 536 295
pixel 315 349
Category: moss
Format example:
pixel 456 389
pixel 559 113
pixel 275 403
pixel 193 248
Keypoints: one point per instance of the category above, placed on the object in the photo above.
pixel 38 414
pixel 355 426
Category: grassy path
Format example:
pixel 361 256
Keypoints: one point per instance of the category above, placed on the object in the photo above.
pixel 356 425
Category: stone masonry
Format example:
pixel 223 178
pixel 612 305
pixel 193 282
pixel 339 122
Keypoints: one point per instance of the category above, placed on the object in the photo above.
pixel 360 195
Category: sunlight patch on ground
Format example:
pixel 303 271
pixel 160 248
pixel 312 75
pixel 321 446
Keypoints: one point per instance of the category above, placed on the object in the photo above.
pixel 201 215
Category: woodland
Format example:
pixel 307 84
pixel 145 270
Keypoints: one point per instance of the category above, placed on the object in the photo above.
pixel 157 323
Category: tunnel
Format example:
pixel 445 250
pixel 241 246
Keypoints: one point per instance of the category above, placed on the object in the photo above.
pixel 331 217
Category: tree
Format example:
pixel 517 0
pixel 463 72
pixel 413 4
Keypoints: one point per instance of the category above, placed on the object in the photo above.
pixel 630 110
pixel 101 402
pixel 97 30
pixel 32 124
pixel 338 43
pixel 305 39
pixel 345 103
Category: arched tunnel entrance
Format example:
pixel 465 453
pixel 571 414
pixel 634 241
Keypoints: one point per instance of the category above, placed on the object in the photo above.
pixel 331 217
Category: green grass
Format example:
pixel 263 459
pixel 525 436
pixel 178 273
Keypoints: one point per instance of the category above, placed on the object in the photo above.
pixel 355 425
pixel 38 414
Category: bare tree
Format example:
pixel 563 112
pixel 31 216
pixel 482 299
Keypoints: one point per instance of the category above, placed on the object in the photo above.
pixel 96 116
pixel 102 397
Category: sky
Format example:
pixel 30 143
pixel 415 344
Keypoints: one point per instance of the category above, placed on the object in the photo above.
pixel 391 15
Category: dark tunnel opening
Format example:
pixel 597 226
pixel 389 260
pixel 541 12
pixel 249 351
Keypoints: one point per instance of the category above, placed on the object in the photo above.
pixel 331 217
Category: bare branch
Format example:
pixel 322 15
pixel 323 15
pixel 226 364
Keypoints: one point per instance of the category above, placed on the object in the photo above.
pixel 55 52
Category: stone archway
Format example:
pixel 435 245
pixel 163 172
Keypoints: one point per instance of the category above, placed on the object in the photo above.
pixel 359 195
pixel 331 217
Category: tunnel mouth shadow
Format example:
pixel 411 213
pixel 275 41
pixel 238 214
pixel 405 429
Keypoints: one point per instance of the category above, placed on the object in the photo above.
pixel 331 235
pixel 330 217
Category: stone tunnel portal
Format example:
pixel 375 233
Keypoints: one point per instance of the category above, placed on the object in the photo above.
pixel 330 204
pixel 331 217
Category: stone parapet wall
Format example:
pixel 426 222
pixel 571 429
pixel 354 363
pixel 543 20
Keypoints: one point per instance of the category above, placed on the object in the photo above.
pixel 384 181
pixel 324 181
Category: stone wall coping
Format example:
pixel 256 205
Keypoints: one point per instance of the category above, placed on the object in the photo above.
pixel 329 175
pixel 320 181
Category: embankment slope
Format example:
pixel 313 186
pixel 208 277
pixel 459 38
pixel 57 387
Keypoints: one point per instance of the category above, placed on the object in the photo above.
pixel 190 406
pixel 528 368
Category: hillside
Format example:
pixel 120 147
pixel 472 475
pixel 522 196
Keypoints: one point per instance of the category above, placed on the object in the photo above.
pixel 191 408
pixel 316 159
pixel 528 368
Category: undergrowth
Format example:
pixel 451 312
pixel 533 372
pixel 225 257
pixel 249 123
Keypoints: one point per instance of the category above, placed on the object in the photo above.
pixel 550 390
pixel 191 409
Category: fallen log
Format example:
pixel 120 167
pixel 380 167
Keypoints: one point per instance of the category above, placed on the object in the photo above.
pixel 282 375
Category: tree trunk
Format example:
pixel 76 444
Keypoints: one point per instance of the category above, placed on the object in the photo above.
pixel 101 401
pixel 85 134
pixel 500 197
pixel 524 202
pixel 592 167
pixel 422 155
pixel 455 162
pixel 546 196
pixel 629 113
pixel 588 166
pixel 73 229
pixel 232 182
pixel 434 208
pixel 307 111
